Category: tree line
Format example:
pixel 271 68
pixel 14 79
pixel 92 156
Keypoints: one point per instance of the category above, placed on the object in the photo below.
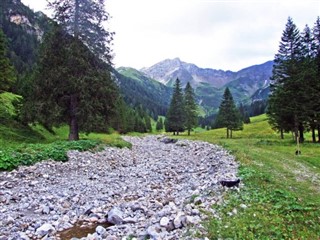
pixel 295 84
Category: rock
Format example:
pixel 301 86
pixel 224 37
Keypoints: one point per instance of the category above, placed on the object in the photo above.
pixel 193 220
pixel 45 229
pixel 101 231
pixel 153 232
pixel 179 220
pixel 23 236
pixel 115 216
pixel 145 190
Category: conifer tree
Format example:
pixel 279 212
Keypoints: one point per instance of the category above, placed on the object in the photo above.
pixel 191 111
pixel 316 38
pixel 7 72
pixel 229 116
pixel 286 109
pixel 159 125
pixel 84 20
pixel 71 86
pixel 175 119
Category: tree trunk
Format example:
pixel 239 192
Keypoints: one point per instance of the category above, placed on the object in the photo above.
pixel 313 134
pixel 76 20
pixel 281 134
pixel 188 132
pixel 301 133
pixel 73 122
pixel 296 127
pixel 227 133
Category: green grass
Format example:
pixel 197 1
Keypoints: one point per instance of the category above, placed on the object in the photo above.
pixel 26 145
pixel 281 190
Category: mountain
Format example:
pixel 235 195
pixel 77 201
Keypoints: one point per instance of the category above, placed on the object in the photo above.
pixel 168 70
pixel 24 30
pixel 140 90
pixel 209 83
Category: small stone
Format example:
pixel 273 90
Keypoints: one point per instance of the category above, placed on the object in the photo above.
pixel 45 229
pixel 115 216
pixel 243 206
pixel 23 236
pixel 101 231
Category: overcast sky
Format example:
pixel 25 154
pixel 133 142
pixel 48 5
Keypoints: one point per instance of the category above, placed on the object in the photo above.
pixel 219 34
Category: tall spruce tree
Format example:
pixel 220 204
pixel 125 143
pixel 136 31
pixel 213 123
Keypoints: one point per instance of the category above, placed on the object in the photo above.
pixel 84 20
pixel 229 116
pixel 311 83
pixel 175 119
pixel 286 104
pixel 316 37
pixel 7 72
pixel 71 86
pixel 191 109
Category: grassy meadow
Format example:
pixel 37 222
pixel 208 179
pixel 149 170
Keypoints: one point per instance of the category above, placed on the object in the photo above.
pixel 280 198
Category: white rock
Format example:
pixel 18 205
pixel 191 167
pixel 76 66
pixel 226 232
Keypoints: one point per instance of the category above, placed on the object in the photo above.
pixel 45 229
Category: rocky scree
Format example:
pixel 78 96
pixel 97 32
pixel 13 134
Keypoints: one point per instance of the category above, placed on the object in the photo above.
pixel 158 189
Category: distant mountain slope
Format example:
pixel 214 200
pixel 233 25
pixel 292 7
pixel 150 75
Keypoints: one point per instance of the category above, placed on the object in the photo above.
pixel 24 30
pixel 168 70
pixel 138 89
pixel 209 83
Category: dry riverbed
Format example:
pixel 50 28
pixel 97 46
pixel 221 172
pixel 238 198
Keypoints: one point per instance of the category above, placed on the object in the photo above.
pixel 157 190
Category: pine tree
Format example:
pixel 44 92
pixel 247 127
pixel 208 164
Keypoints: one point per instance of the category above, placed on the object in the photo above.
pixel 316 37
pixel 229 116
pixel 7 72
pixel 286 103
pixel 175 119
pixel 84 20
pixel 159 125
pixel 191 111
pixel 71 86
pixel 311 83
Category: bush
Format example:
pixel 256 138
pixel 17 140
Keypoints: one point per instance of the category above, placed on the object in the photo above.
pixel 32 153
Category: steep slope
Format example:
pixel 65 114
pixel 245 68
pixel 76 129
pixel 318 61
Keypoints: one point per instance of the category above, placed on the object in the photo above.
pixel 24 30
pixel 139 89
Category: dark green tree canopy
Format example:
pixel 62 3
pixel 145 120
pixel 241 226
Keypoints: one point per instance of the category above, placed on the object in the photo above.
pixel 7 71
pixel 84 19
pixel 175 119
pixel 191 109
pixel 229 116
pixel 71 86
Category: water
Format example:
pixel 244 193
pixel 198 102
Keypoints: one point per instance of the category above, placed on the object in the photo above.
pixel 79 232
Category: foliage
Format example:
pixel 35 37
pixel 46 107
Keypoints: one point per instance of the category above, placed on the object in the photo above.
pixel 71 86
pixel 228 116
pixel 9 106
pixel 295 83
pixel 175 118
pixel 159 125
pixel 7 72
pixel 29 154
pixel 84 20
pixel 281 191
pixel 191 108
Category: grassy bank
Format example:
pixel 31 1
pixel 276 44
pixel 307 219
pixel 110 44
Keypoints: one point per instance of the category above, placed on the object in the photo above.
pixel 280 198
pixel 26 145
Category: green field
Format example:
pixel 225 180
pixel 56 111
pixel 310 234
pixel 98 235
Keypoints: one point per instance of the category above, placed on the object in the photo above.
pixel 280 198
